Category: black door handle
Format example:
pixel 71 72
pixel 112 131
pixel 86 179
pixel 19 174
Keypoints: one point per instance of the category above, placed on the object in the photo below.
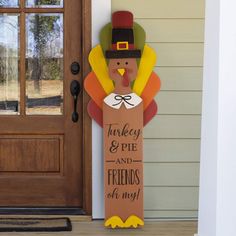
pixel 75 90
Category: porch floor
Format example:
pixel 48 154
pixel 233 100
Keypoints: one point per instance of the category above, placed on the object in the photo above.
pixel 179 228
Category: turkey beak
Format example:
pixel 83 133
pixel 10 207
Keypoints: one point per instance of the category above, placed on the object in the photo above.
pixel 121 71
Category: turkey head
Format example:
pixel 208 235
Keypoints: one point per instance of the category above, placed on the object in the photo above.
pixel 123 71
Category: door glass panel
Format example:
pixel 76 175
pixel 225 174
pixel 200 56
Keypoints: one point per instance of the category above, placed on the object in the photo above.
pixel 44 64
pixel 9 64
pixel 9 3
pixel 44 3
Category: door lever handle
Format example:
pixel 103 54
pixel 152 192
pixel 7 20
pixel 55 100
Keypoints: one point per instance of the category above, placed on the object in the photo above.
pixel 75 90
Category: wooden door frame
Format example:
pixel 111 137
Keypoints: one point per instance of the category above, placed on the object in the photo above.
pixel 87 123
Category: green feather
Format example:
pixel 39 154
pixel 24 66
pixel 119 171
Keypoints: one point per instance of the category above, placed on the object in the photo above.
pixel 106 37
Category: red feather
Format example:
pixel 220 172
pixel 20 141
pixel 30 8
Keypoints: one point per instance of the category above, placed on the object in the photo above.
pixel 150 112
pixel 95 112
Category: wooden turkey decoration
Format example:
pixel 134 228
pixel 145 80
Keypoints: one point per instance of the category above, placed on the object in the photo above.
pixel 122 86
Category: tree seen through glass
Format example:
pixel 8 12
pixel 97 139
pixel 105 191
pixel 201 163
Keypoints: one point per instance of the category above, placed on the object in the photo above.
pixel 44 3
pixel 44 58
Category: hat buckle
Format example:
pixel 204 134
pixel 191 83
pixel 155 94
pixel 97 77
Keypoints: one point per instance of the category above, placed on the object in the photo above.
pixel 122 45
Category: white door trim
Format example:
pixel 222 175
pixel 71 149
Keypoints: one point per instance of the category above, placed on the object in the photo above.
pixel 101 14
pixel 217 208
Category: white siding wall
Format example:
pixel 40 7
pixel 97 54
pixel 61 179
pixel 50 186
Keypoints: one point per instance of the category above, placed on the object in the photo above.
pixel 175 28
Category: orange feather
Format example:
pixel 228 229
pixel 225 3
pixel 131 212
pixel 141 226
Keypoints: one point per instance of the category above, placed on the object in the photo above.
pixel 152 87
pixel 94 89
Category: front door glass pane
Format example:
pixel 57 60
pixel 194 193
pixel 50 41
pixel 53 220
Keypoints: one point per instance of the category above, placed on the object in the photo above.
pixel 44 3
pixel 9 3
pixel 9 64
pixel 44 64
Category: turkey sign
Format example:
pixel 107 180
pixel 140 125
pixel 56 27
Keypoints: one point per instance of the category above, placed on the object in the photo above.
pixel 122 86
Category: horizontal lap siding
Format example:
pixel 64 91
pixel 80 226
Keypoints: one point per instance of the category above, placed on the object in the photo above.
pixel 171 198
pixel 174 126
pixel 172 30
pixel 174 214
pixel 172 150
pixel 180 78
pixel 185 174
pixel 178 54
pixel 175 29
pixel 161 9
pixel 179 102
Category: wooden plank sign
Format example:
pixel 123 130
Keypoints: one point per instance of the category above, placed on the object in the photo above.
pixel 123 165
pixel 122 86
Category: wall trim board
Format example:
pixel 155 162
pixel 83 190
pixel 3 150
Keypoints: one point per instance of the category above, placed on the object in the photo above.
pixel 101 14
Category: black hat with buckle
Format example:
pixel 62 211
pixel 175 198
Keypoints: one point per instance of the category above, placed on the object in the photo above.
pixel 122 37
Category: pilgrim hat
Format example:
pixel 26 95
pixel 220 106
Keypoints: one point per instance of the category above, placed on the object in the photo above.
pixel 122 37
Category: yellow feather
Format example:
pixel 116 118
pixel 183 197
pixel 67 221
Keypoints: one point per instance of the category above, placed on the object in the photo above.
pixel 147 62
pixel 99 66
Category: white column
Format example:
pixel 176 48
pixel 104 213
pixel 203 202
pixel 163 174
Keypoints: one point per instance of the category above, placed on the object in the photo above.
pixel 101 15
pixel 217 207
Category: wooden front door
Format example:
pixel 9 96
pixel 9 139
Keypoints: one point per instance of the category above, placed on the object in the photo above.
pixel 40 145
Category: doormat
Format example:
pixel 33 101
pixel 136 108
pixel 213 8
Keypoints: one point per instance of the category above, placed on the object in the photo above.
pixel 35 224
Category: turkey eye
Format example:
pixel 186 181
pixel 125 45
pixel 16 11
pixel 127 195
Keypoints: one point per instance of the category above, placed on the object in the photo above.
pixel 118 63
pixel 126 63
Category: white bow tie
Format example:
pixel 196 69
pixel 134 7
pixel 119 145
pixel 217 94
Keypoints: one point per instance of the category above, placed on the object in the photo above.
pixel 129 100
